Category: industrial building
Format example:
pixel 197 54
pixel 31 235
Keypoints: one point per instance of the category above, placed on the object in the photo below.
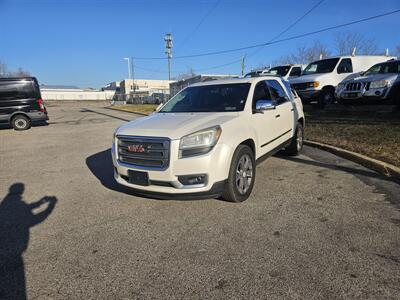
pixel 144 90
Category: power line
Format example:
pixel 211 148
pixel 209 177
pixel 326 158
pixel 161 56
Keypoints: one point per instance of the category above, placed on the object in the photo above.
pixel 190 35
pixel 209 12
pixel 180 71
pixel 297 21
pixel 277 41
pixel 289 27
pixel 277 36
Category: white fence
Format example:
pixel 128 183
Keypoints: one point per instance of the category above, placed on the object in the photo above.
pixel 77 95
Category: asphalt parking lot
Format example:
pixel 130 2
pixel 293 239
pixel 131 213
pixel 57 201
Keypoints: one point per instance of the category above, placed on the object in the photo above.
pixel 316 226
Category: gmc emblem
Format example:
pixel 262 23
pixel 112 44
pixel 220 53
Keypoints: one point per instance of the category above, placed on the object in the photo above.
pixel 136 148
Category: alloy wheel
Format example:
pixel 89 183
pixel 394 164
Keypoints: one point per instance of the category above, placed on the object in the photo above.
pixel 20 123
pixel 244 174
pixel 299 139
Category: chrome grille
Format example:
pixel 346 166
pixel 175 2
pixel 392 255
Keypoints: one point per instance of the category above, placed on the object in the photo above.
pixel 354 86
pixel 357 86
pixel 144 152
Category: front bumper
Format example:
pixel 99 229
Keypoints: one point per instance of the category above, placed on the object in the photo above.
pixel 165 184
pixel 380 93
pixel 308 94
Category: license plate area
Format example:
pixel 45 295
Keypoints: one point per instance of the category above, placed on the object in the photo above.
pixel 138 177
pixel 352 95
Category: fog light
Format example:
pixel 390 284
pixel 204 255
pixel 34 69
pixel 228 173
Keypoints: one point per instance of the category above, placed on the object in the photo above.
pixel 193 179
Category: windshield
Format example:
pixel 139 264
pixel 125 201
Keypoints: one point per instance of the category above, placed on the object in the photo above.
pixel 281 71
pixel 384 68
pixel 209 98
pixel 321 66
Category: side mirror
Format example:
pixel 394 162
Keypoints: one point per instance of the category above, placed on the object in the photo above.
pixel 262 105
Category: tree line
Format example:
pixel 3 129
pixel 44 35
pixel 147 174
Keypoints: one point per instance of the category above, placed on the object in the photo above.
pixel 4 72
pixel 343 44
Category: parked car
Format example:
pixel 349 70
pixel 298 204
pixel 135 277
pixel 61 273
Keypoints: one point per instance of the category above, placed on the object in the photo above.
pixel 256 73
pixel 21 102
pixel 287 72
pixel 380 83
pixel 206 140
pixel 320 78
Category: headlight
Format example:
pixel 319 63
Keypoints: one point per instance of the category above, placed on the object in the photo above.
pixel 199 142
pixel 313 84
pixel 115 135
pixel 340 85
pixel 378 84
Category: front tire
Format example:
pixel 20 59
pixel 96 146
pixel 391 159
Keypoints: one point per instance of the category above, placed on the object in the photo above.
pixel 296 143
pixel 20 122
pixel 394 97
pixel 241 177
pixel 327 97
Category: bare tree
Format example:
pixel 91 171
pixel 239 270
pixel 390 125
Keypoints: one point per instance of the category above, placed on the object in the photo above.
pixel 20 73
pixel 188 74
pixel 345 42
pixel 304 54
pixel 3 69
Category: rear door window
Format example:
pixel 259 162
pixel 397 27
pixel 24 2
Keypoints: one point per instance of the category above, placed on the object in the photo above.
pixel 277 92
pixel 345 66
pixel 296 71
pixel 14 90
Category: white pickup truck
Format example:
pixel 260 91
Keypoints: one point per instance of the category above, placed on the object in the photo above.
pixel 206 140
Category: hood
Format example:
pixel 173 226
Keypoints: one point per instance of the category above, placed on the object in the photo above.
pixel 174 125
pixel 309 78
pixel 372 77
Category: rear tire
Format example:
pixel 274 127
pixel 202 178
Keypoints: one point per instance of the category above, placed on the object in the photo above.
pixel 20 122
pixel 241 177
pixel 296 144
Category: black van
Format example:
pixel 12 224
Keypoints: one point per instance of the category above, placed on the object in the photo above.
pixel 21 102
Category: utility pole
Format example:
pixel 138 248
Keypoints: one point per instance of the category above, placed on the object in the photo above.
pixel 243 66
pixel 168 51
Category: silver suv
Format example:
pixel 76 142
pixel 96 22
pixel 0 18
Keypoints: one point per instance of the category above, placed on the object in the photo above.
pixel 381 82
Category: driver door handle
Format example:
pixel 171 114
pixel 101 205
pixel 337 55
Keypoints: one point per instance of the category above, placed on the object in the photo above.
pixel 277 116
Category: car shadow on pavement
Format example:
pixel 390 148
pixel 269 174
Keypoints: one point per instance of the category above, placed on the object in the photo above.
pixel 101 166
pixel 34 124
pixel 350 170
pixel 16 219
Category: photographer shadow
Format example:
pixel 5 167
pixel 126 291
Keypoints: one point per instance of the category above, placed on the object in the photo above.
pixel 16 219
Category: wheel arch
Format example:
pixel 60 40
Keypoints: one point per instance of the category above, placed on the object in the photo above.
pixel 302 121
pixel 13 115
pixel 329 88
pixel 252 145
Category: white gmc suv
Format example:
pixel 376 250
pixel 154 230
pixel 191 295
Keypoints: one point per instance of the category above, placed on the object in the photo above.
pixel 205 141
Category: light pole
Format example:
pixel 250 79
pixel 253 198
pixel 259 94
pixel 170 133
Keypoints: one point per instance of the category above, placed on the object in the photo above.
pixel 168 51
pixel 129 66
